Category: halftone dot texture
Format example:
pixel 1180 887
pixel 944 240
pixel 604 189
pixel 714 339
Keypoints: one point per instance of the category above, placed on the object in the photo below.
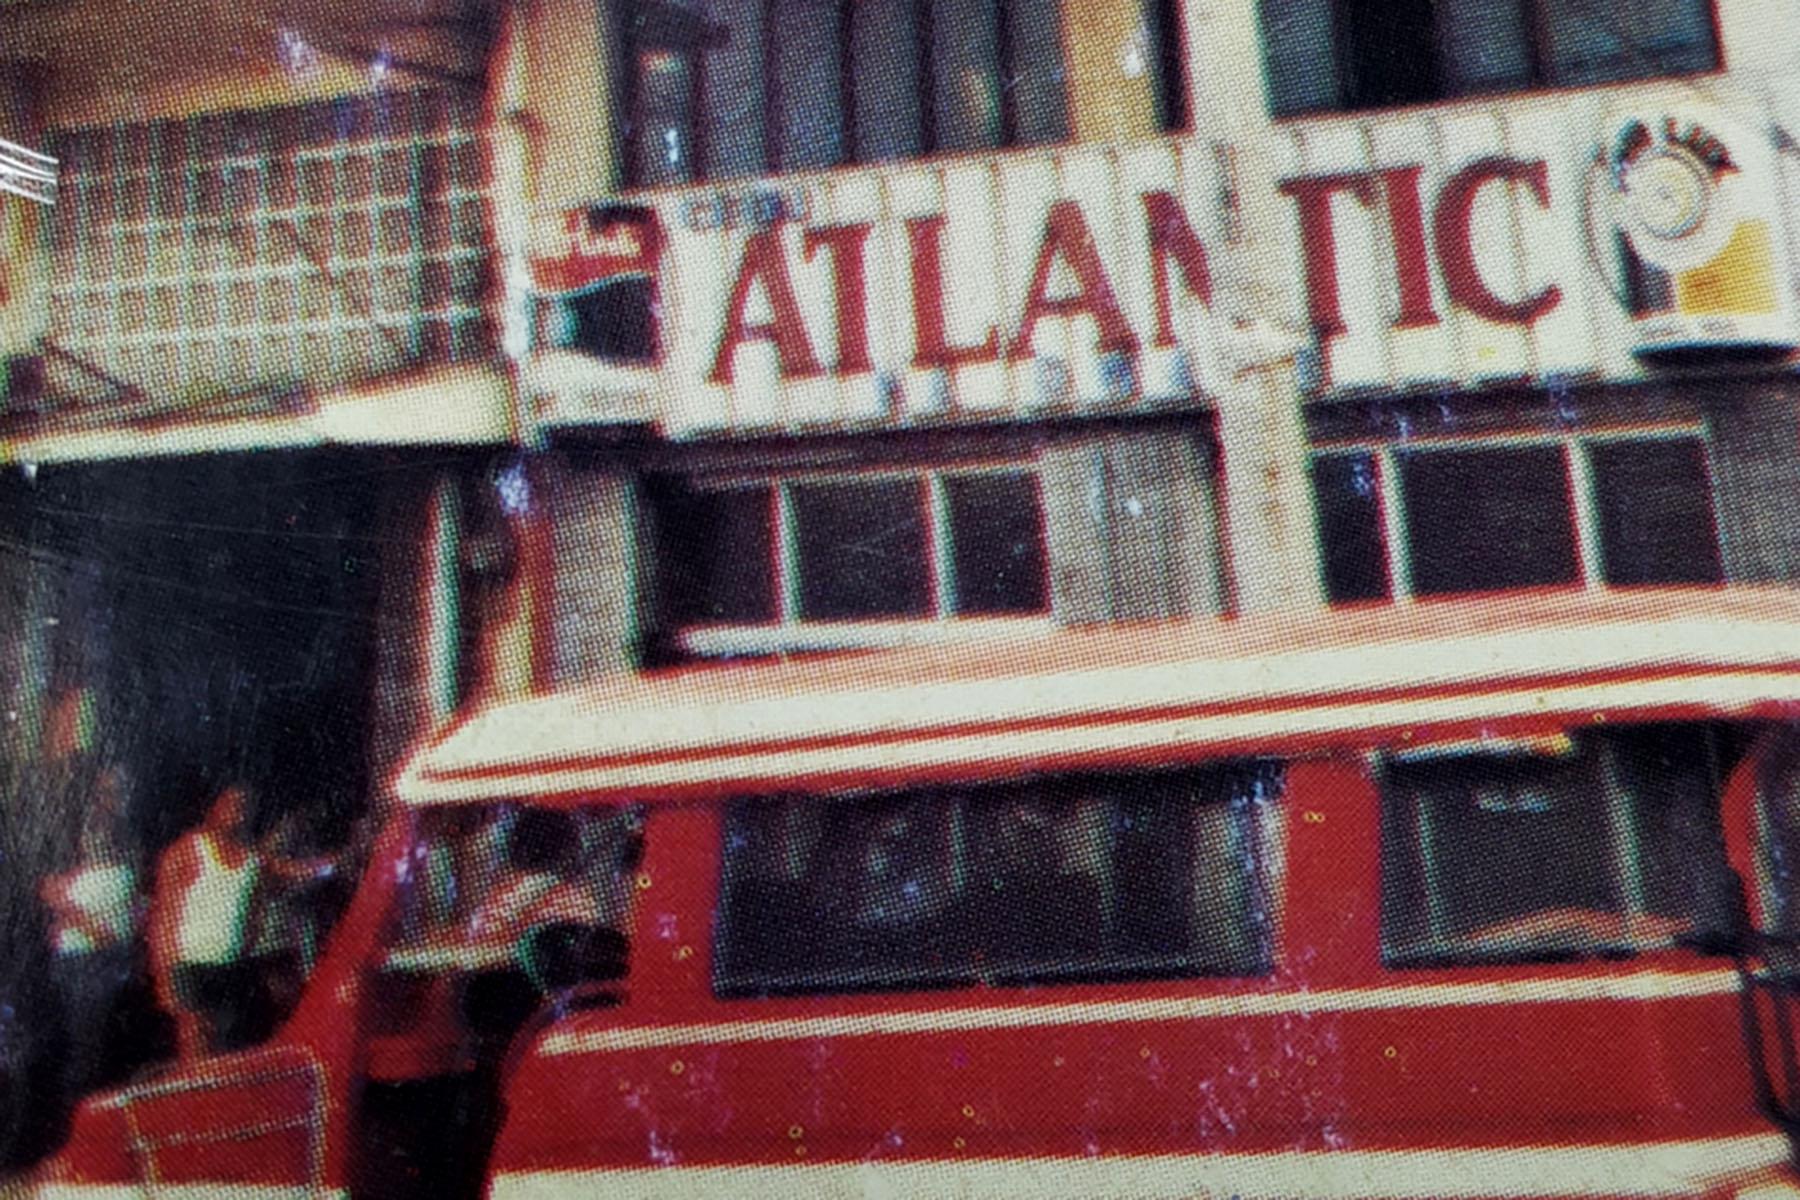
pixel 811 679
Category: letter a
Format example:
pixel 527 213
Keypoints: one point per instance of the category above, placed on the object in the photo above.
pixel 1066 233
pixel 764 261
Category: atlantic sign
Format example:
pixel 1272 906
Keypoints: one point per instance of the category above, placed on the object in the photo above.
pixel 1086 277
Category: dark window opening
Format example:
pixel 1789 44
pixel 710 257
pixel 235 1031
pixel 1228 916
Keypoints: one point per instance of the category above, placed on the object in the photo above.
pixel 1348 496
pixel 1057 879
pixel 723 565
pixel 1325 55
pixel 1654 503
pixel 861 549
pixel 1387 48
pixel 1606 843
pixel 997 543
pixel 614 320
pixel 1482 520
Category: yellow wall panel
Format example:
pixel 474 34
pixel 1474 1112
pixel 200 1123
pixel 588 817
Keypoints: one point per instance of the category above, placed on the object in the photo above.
pixel 1112 59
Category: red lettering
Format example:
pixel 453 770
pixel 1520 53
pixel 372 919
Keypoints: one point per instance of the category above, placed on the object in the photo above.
pixel 850 291
pixel 1406 221
pixel 1066 234
pixel 931 344
pixel 764 261
pixel 1172 236
pixel 1456 247
pixel 1312 193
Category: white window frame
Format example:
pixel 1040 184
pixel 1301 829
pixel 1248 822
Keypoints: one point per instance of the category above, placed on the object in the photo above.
pixel 1576 446
pixel 791 632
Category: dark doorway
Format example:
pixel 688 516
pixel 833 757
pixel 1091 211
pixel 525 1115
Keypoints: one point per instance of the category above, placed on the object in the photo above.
pixel 222 610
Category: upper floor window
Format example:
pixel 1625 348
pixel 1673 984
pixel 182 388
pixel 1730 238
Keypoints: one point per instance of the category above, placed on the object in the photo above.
pixel 1335 55
pixel 1063 878
pixel 1492 514
pixel 1602 844
pixel 817 549
pixel 227 256
pixel 718 88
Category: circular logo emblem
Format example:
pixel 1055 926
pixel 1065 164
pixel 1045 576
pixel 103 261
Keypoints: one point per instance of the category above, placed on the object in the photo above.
pixel 1666 194
pixel 1674 181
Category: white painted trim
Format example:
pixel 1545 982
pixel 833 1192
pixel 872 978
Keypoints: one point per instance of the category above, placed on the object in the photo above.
pixel 1584 503
pixel 1669 430
pixel 798 636
pixel 455 404
pixel 1129 690
pixel 1396 534
pixel 1462 1173
pixel 1635 986
pixel 797 767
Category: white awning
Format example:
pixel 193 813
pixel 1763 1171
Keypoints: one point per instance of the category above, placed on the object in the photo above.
pixel 1146 694
pixel 448 405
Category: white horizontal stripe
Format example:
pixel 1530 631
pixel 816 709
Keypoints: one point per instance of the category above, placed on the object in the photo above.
pixel 1723 694
pixel 1637 985
pixel 10 149
pixel 1664 1169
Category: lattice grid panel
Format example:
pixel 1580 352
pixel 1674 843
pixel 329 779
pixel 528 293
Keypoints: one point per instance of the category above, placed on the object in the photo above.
pixel 258 253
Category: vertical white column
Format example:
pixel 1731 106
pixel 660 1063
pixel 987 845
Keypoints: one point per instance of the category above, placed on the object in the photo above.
pixel 1271 526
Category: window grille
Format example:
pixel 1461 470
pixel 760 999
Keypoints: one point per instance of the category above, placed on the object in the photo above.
pixel 240 257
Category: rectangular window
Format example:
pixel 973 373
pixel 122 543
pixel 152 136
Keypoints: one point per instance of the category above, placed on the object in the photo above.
pixel 726 548
pixel 1654 502
pixel 720 88
pixel 230 255
pixel 869 547
pixel 887 60
pixel 806 79
pixel 1338 55
pixel 1349 503
pixel 1598 510
pixel 1483 520
pixel 997 543
pixel 1606 843
pixel 1058 879
pixel 860 549
pixel 540 890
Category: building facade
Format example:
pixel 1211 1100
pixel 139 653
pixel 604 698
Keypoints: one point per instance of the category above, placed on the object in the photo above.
pixel 379 361
pixel 877 323
pixel 672 331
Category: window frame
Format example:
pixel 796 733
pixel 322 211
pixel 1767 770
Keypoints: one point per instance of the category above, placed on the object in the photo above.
pixel 1578 462
pixel 789 630
pixel 1630 867
pixel 1538 50
pixel 1170 93
pixel 1257 821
